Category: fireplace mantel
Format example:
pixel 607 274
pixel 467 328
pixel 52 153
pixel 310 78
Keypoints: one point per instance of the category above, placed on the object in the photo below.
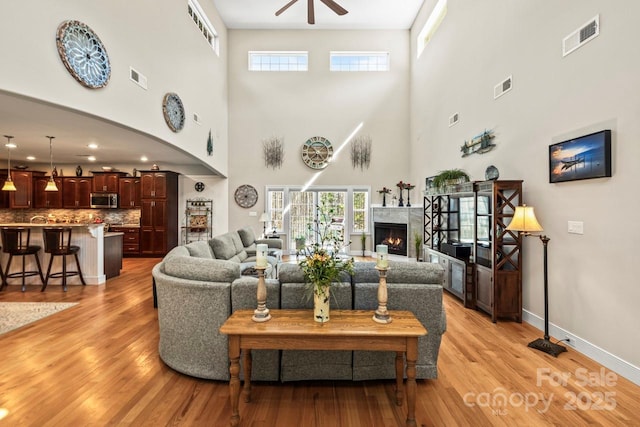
pixel 412 216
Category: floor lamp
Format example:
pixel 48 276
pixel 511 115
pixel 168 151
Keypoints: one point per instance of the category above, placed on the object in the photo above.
pixel 524 220
pixel 263 219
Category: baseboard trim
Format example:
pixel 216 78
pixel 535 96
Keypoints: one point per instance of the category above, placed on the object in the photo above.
pixel 605 358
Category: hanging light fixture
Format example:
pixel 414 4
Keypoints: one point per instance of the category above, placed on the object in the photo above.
pixel 51 185
pixel 8 184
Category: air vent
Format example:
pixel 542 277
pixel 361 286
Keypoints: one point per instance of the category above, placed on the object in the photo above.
pixel 196 118
pixel 137 78
pixel 502 87
pixel 582 35
pixel 454 119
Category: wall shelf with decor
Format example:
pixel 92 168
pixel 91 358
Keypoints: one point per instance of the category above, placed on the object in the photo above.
pixel 198 220
pixel 465 231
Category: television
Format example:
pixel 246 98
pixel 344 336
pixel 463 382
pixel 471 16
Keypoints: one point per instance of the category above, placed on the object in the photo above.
pixel 584 157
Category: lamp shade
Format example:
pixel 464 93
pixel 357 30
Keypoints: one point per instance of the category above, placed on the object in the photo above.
pixel 524 219
pixel 9 185
pixel 264 217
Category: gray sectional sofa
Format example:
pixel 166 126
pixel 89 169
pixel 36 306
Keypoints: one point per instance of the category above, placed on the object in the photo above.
pixel 197 292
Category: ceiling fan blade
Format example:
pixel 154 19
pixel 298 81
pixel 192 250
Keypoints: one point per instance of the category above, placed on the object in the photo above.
pixel 311 16
pixel 285 7
pixel 335 7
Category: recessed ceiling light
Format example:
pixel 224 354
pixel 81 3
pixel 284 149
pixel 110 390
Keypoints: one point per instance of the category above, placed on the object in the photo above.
pixel 91 158
pixel 10 145
pixel 143 159
pixel 30 158
pixel 92 145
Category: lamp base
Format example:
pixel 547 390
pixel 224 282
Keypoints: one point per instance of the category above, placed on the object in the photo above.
pixel 547 347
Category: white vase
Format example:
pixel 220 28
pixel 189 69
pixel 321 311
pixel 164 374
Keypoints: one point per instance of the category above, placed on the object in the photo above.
pixel 321 305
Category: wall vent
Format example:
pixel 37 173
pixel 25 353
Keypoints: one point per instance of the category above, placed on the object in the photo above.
pixel 196 118
pixel 453 119
pixel 137 78
pixel 502 87
pixel 587 32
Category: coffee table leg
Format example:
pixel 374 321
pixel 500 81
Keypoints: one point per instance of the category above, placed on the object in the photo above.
pixel 399 377
pixel 234 381
pixel 246 391
pixel 412 356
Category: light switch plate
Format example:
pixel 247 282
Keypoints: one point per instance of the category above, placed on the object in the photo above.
pixel 576 227
pixel 253 213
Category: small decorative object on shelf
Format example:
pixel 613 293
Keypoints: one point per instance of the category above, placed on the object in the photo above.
pixel 384 193
pixel 491 173
pixel 479 144
pixel 381 315
pixel 409 187
pixel 400 185
pixel 261 313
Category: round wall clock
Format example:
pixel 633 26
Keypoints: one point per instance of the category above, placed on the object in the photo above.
pixel 83 54
pixel 173 111
pixel 317 152
pixel 246 196
pixel 199 186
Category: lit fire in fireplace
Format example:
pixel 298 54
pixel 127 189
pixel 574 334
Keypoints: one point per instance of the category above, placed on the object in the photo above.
pixel 394 242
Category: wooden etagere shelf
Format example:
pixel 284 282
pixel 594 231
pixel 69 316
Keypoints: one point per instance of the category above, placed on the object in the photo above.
pixel 465 231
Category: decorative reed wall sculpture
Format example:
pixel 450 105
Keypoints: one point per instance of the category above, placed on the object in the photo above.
pixel 273 149
pixel 361 152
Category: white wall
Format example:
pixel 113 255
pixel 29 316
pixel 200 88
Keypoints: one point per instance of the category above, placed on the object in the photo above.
pixel 300 105
pixel 593 283
pixel 156 37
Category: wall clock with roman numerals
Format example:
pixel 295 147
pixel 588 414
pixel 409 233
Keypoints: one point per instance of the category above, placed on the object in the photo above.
pixel 317 152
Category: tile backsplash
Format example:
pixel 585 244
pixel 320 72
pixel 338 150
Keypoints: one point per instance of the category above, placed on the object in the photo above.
pixel 110 216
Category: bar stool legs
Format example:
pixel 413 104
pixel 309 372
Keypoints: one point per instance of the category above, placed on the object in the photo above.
pixel 57 242
pixel 16 242
pixel 63 274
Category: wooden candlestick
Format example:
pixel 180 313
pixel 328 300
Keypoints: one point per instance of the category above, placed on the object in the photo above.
pixel 381 315
pixel 261 314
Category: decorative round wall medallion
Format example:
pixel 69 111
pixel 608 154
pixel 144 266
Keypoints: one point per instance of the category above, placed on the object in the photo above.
pixel 83 54
pixel 173 111
pixel 491 173
pixel 317 152
pixel 199 186
pixel 246 196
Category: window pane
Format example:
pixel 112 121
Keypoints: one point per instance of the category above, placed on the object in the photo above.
pixel 359 61
pixel 278 61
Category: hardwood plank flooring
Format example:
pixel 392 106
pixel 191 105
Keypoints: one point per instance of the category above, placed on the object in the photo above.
pixel 97 364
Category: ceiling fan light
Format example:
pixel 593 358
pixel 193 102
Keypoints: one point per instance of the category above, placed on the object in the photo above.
pixel 51 185
pixel 9 185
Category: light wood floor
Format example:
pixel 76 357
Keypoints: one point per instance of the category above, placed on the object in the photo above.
pixel 97 364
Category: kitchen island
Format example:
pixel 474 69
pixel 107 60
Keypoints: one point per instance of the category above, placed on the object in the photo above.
pixel 90 239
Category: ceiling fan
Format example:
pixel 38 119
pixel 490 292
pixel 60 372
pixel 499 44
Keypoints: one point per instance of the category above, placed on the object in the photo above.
pixel 311 19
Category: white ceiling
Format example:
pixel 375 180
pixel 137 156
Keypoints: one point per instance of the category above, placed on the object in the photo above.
pixel 363 14
pixel 29 121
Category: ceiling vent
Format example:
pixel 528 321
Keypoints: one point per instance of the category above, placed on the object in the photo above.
pixel 502 87
pixel 454 119
pixel 582 35
pixel 138 78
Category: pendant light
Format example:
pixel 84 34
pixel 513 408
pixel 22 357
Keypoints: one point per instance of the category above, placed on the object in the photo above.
pixel 8 184
pixel 51 185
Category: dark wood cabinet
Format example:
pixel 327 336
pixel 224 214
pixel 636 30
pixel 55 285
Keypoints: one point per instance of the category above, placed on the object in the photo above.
pixel 46 199
pixel 130 240
pixel 106 182
pixel 76 192
pixel 129 191
pixel 23 196
pixel 159 212
pixel 4 195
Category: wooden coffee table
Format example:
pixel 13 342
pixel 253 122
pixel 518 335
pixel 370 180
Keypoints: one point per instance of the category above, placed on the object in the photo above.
pixel 347 330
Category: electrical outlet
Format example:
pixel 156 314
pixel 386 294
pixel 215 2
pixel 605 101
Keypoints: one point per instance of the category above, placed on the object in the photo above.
pixel 575 227
pixel 570 340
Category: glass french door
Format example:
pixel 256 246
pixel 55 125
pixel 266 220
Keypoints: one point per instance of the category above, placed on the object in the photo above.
pixel 303 213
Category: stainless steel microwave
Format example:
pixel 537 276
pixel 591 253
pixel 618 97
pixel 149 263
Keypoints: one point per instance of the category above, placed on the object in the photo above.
pixel 104 200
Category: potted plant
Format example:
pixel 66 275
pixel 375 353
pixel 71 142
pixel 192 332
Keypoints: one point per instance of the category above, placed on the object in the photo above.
pixel 450 177
pixel 417 241
pixel 363 241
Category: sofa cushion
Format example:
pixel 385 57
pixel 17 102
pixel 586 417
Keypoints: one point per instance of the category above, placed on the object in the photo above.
pixel 202 269
pixel 247 236
pixel 223 246
pixel 199 249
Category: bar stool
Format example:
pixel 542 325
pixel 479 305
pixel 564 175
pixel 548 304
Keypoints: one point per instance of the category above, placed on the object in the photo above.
pixel 15 242
pixel 57 242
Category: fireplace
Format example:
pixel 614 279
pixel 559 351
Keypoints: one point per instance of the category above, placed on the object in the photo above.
pixel 392 235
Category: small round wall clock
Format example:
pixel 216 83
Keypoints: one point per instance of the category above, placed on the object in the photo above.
pixel 199 186
pixel 317 152
pixel 246 196
pixel 173 111
pixel 83 54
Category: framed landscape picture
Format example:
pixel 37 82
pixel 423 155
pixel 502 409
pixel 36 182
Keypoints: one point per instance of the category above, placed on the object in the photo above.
pixel 585 157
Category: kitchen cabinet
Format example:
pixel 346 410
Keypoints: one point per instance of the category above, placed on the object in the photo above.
pixel 46 199
pixel 106 182
pixel 129 192
pixel 159 212
pixel 76 192
pixel 23 196
pixel 130 239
